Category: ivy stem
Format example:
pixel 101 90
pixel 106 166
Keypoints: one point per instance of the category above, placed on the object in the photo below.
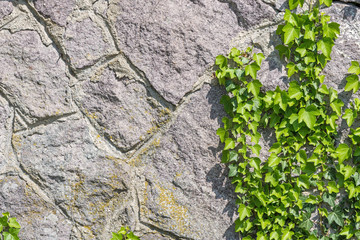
pixel 311 5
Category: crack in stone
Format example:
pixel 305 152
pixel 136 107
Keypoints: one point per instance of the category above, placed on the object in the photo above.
pixel 165 232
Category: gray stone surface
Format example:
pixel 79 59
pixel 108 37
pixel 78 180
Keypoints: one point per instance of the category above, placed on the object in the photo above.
pixel 6 118
pixel 57 11
pixel 33 75
pixel 85 42
pixel 186 189
pixel 38 219
pixel 90 186
pixel 180 38
pixel 6 8
pixel 121 106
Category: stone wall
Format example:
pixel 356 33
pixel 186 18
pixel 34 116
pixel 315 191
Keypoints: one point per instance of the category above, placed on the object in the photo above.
pixel 109 109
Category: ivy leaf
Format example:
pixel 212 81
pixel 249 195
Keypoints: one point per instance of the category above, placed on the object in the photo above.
pixel 326 2
pixel 273 160
pixel 343 152
pixel 347 171
pixel 221 61
pixel 291 18
pixel 286 234
pixel 13 223
pixel 325 46
pixel 256 149
pixel 332 187
pixel 308 115
pixel 336 106
pixel 295 91
pixel 252 70
pixel 283 51
pixel 222 134
pixel 291 69
pixel 329 199
pixel 233 169
pixel 259 58
pixel 307 224
pixel 331 30
pixel 254 87
pixel 349 116
pixel 131 236
pixel 335 217
pixel 355 68
pixel 347 231
pixel 244 212
pixel 9 236
pixel 291 33
pixel 352 83
pixel 229 144
pixel 294 3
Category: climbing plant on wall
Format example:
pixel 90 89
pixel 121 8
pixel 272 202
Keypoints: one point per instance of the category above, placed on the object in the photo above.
pixel 308 187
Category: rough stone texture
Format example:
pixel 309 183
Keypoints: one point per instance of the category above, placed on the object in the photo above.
pixel 108 111
pixel 121 106
pixel 39 219
pixel 85 42
pixel 57 11
pixel 186 191
pixel 86 183
pixel 6 8
pixel 180 38
pixel 6 117
pixel 33 75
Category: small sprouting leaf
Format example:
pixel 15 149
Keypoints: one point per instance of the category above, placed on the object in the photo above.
pixel 131 236
pixel 116 236
pixel 352 83
pixel 256 149
pixel 254 87
pixel 252 70
pixel 355 68
pixel 13 223
pixel 221 61
pixel 325 46
pixel 326 2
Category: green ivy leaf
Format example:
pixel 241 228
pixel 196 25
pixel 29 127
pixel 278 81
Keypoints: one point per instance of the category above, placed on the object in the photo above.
pixel 290 33
pixel 325 46
pixel 252 70
pixel 349 116
pixel 244 212
pixel 343 152
pixel 295 91
pixel 331 30
pixel 354 68
pixel 335 217
pixel 229 144
pixel 254 87
pixel 273 160
pixel 308 115
pixel 336 106
pixel 222 134
pixel 352 83
pixel 258 58
pixel 233 170
pixel 13 223
pixel 332 187
pixel 292 69
pixel 221 61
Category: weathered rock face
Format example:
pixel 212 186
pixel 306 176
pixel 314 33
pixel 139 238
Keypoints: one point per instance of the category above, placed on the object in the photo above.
pixel 108 111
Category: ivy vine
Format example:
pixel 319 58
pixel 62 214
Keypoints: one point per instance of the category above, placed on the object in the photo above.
pixel 308 187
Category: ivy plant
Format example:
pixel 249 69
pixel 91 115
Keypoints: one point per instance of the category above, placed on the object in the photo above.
pixel 9 227
pixel 307 185
pixel 124 234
